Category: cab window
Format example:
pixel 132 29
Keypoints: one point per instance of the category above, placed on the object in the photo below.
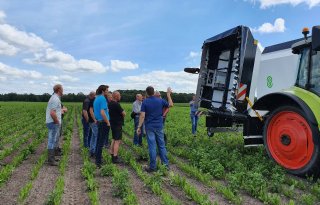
pixel 303 68
pixel 315 72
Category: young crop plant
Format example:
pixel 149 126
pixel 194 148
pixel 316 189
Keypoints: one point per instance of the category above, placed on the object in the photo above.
pixel 190 190
pixel 120 178
pixel 88 170
pixel 8 169
pixel 120 183
pixel 25 190
pixel 152 182
pixel 56 195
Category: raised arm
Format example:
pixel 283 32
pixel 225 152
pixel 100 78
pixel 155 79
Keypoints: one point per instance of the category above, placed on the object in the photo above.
pixel 169 91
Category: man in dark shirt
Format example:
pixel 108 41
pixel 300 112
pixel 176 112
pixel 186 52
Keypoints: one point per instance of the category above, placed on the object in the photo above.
pixel 152 114
pixel 117 115
pixel 85 119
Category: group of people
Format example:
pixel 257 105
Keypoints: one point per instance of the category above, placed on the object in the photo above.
pixel 101 111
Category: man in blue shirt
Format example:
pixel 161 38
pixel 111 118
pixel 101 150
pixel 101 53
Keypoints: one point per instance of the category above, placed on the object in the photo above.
pixel 151 115
pixel 101 113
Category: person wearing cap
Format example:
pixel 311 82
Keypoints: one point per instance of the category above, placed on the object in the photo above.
pixel 101 113
pixel 53 121
pixel 151 114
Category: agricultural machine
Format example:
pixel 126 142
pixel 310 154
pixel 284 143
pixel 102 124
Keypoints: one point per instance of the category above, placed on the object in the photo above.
pixel 274 95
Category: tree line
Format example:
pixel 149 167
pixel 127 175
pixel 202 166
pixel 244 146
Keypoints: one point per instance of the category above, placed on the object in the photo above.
pixel 126 96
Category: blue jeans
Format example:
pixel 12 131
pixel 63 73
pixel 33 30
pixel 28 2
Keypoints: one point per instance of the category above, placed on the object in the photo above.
pixel 194 121
pixel 94 136
pixel 56 142
pixel 53 132
pixel 155 138
pixel 103 132
pixel 137 139
pixel 86 132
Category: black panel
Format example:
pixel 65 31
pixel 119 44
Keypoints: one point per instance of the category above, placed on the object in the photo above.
pixel 218 121
pixel 280 46
pixel 316 38
pixel 253 126
pixel 253 141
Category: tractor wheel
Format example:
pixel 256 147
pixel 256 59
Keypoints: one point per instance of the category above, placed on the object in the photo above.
pixel 292 141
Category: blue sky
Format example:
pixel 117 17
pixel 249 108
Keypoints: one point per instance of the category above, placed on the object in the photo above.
pixel 129 44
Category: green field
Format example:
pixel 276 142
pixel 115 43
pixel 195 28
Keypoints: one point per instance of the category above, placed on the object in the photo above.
pixel 217 170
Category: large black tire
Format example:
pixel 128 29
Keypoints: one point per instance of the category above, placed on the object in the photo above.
pixel 292 141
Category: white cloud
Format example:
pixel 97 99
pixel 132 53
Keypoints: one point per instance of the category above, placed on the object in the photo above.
pixel 269 3
pixel 7 49
pixel 3 78
pixel 193 54
pixel 28 42
pixel 63 78
pixel 277 27
pixel 117 65
pixel 18 73
pixel 160 79
pixel 65 62
pixel 13 40
pixel 33 77
pixel 2 16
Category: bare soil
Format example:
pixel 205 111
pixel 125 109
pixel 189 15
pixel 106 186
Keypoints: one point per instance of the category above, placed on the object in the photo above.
pixel 8 159
pixel 9 193
pixel 44 183
pixel 211 192
pixel 143 193
pixel 175 192
pixel 105 191
pixel 75 186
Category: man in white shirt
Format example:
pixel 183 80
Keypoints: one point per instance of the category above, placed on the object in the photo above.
pixel 53 121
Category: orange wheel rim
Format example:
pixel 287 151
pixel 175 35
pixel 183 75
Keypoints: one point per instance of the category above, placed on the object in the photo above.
pixel 289 140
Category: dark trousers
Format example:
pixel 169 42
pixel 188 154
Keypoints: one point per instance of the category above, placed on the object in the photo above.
pixel 103 132
pixel 86 133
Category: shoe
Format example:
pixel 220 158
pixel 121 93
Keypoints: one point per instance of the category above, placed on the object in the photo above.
pixel 92 155
pixel 116 160
pixel 98 166
pixel 57 151
pixel 51 159
pixel 149 170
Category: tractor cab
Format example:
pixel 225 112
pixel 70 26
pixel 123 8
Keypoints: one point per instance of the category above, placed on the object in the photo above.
pixel 308 77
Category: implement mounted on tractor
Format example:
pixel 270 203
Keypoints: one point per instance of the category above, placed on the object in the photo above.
pixel 274 95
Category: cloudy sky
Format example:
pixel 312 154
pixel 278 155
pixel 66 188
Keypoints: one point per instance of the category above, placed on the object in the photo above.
pixel 129 44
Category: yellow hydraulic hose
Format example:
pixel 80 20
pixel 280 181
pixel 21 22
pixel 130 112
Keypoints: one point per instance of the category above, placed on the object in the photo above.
pixel 251 105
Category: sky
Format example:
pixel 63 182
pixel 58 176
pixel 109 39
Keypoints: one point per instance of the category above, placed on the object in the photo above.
pixel 82 44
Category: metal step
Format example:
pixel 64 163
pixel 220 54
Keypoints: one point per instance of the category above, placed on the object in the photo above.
pixel 253 141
